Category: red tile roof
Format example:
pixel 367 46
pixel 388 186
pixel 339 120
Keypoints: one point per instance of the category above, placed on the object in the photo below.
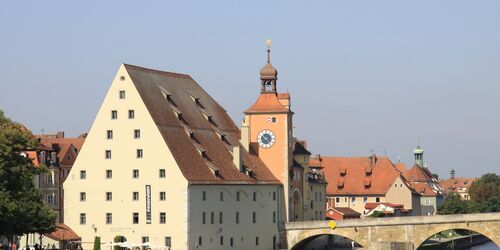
pixel 166 94
pixel 345 211
pixel 456 183
pixel 418 174
pixel 63 232
pixel 348 175
pixel 267 102
pixel 424 189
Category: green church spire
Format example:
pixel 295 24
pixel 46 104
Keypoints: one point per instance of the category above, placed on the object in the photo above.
pixel 419 156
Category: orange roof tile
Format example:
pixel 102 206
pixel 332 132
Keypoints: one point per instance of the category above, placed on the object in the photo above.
pixel 283 95
pixel 456 183
pixel 424 189
pixel 383 174
pixel 418 174
pixel 267 102
pixel 63 232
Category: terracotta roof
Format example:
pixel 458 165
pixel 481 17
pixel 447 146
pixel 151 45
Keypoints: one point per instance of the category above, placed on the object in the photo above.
pixel 315 162
pixel 345 211
pixel 283 95
pixel 267 102
pixel 348 175
pixel 401 167
pixel 456 183
pixel 49 141
pixel 418 174
pixel 165 94
pixel 34 157
pixel 372 205
pixel 63 232
pixel 424 189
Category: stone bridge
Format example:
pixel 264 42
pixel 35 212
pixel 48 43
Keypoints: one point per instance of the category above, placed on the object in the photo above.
pixel 379 233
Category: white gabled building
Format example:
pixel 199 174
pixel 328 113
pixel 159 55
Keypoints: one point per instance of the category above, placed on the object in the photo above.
pixel 163 164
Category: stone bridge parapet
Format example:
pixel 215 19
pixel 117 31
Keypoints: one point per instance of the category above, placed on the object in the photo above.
pixel 414 229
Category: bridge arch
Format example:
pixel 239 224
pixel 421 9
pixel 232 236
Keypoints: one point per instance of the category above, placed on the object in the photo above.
pixel 479 228
pixel 330 239
pixel 299 237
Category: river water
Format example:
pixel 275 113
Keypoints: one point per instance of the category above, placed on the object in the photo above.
pixel 486 246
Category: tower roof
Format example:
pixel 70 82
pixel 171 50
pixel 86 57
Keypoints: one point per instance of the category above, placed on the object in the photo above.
pixel 268 72
pixel 418 150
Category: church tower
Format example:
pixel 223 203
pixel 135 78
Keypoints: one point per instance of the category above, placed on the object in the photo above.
pixel 419 156
pixel 267 129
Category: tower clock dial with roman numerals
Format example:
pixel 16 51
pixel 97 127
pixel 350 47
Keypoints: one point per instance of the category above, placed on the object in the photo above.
pixel 266 138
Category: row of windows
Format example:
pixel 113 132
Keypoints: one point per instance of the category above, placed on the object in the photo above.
pixel 231 241
pixel 109 174
pixel 221 196
pixel 353 199
pixel 114 114
pixel 137 134
pixel 237 217
pixel 109 196
pixel 135 218
pixel 139 153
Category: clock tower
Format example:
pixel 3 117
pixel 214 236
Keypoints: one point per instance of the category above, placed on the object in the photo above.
pixel 267 130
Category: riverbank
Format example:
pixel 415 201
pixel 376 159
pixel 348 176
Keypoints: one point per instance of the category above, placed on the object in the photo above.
pixel 458 243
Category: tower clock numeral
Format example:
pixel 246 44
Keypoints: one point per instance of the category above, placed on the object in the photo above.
pixel 266 138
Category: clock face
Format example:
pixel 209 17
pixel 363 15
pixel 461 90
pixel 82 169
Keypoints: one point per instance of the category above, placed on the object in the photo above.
pixel 266 138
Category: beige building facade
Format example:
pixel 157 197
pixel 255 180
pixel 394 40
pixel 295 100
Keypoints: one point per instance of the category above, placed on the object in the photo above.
pixel 163 164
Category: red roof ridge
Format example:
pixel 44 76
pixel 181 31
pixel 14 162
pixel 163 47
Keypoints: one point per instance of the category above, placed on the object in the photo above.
pixel 267 102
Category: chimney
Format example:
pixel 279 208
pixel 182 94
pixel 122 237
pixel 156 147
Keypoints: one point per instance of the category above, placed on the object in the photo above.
pixel 60 134
pixel 373 159
pixel 245 135
pixel 237 159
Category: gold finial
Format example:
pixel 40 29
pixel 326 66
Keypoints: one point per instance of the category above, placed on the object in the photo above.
pixel 269 43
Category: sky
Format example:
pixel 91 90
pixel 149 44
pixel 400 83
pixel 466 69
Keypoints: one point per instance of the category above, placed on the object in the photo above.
pixel 371 76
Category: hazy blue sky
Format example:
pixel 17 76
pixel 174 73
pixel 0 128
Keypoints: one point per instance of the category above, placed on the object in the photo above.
pixel 362 74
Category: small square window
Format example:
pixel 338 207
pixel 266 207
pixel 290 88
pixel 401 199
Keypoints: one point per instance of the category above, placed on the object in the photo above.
pixel 273 120
pixel 83 218
pixel 256 241
pixel 274 216
pixel 109 196
pixel 221 218
pixel 109 218
pixel 131 114
pixel 137 133
pixel 254 196
pixel 135 173
pixel 204 195
pixel 139 153
pixel 109 134
pixel 254 217
pixel 162 173
pixel 135 218
pixel 107 154
pixel 163 196
pixel 377 199
pixel 122 78
pixel 109 174
pixel 212 218
pixel 83 174
pixel 204 218
pixel 168 242
pixel 135 196
pixel 122 94
pixel 274 195
pixel 221 196
pixel 83 196
pixel 114 114
pixel 237 217
pixel 238 196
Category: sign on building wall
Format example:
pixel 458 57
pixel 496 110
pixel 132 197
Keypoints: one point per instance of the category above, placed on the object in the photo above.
pixel 148 204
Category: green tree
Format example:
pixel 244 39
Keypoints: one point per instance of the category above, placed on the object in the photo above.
pixel 97 243
pixel 486 192
pixel 454 204
pixel 21 208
